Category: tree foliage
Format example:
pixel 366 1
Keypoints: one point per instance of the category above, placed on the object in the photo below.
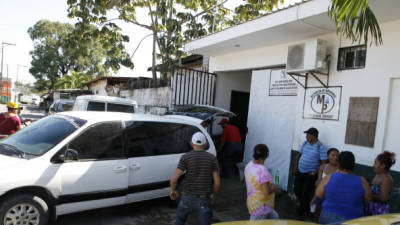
pixel 355 19
pixel 174 22
pixel 60 48
pixel 73 80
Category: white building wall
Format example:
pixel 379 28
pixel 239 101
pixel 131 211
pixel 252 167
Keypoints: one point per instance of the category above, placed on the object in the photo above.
pixel 372 81
pixel 152 100
pixel 272 126
pixel 228 82
pixel 99 88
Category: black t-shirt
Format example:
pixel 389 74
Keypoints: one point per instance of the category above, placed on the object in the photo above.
pixel 199 166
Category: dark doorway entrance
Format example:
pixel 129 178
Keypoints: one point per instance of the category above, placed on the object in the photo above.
pixel 240 106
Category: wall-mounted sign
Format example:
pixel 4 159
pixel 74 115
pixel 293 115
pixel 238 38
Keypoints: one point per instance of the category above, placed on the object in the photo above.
pixel 322 103
pixel 281 84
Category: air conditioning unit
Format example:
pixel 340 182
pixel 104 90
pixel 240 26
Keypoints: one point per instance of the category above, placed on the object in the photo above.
pixel 310 55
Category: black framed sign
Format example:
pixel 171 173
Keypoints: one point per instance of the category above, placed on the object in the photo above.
pixel 322 103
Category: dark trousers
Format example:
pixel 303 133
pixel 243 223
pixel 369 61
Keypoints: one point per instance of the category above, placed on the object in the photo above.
pixel 188 204
pixel 304 186
pixel 230 156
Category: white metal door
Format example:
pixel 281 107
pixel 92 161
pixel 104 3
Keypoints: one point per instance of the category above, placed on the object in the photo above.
pixel 392 140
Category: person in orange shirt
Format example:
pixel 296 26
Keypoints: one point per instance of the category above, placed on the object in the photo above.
pixel 230 146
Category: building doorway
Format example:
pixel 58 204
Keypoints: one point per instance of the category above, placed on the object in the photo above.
pixel 240 106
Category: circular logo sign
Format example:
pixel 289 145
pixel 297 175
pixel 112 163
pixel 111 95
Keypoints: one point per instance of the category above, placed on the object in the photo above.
pixel 322 101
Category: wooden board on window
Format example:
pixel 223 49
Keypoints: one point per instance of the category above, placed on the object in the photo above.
pixel 361 121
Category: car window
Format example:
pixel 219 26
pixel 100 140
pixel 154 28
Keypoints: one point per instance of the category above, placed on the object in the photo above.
pixel 156 138
pixel 96 106
pixel 112 107
pixel 65 106
pixel 44 134
pixel 99 141
pixel 79 105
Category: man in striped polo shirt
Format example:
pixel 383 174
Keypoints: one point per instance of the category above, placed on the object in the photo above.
pixel 201 183
pixel 312 154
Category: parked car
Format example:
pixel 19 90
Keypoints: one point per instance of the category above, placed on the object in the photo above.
pixel 76 161
pixel 61 105
pixel 36 100
pixel 392 219
pixel 104 103
pixel 385 219
pixel 29 99
pixel 266 222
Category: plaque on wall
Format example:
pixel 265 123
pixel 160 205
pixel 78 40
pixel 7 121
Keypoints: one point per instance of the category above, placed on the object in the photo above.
pixel 322 103
pixel 282 84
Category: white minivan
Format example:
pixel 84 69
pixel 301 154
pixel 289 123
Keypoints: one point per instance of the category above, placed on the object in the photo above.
pixel 104 104
pixel 76 161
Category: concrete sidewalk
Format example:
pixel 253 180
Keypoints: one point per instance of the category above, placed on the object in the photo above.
pixel 231 203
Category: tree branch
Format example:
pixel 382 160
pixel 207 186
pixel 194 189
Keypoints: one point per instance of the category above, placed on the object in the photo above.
pixel 136 23
pixel 209 9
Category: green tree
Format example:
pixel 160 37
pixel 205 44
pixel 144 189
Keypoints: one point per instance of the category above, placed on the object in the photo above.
pixel 355 19
pixel 175 21
pixel 171 21
pixel 60 48
pixel 74 80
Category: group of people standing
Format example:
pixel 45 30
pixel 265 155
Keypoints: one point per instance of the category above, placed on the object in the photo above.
pixel 325 183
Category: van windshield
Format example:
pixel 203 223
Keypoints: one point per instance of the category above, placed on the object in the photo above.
pixel 42 135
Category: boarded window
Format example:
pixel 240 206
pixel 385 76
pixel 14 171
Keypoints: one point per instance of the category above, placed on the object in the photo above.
pixel 361 121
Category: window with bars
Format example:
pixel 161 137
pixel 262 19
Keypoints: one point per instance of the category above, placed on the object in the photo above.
pixel 352 57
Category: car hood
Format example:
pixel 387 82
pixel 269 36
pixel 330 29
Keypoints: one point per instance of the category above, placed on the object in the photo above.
pixel 266 222
pixel 376 220
pixel 7 161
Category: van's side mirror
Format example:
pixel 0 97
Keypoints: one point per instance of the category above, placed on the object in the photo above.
pixel 69 155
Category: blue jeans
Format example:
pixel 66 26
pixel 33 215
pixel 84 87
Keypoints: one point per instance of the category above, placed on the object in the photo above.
pixel 187 204
pixel 230 157
pixel 330 218
pixel 270 216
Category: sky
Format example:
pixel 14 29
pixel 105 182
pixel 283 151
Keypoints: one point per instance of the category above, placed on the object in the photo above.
pixel 16 16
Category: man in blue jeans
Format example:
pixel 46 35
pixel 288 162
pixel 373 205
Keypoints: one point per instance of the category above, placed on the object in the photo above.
pixel 312 154
pixel 201 183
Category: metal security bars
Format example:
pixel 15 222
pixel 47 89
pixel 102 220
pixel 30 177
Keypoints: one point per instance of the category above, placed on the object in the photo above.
pixel 189 86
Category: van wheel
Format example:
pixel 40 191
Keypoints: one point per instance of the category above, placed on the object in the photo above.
pixel 24 209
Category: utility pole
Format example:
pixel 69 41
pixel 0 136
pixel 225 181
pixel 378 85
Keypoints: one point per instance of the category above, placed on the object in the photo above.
pixel 7 85
pixel 16 82
pixel 2 60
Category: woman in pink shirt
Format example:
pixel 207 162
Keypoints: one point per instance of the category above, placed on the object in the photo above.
pixel 260 189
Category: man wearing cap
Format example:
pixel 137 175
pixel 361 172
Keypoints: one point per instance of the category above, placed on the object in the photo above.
pixel 230 146
pixel 200 185
pixel 312 154
pixel 9 121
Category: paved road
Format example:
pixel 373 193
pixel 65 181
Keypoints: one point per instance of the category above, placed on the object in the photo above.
pixel 158 211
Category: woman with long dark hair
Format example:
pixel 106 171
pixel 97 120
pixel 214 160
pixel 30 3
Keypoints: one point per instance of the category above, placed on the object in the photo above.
pixel 382 184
